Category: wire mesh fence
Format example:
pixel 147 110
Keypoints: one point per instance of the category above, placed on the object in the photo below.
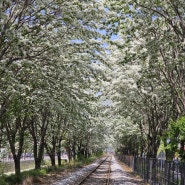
pixel 157 171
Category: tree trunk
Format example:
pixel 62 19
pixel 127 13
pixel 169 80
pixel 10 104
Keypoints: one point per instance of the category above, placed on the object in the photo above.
pixel 51 149
pixel 142 141
pixel 153 145
pixel 38 157
pixel 38 163
pixel 58 149
pixel 68 149
pixel 17 165
pixel 11 136
pixel 74 151
pixel 52 158
pixel 59 158
pixel 38 148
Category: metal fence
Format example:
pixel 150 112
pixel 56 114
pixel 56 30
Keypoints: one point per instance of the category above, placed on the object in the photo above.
pixel 157 171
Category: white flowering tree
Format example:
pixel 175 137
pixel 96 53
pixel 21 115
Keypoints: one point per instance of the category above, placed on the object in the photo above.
pixel 48 60
pixel 153 36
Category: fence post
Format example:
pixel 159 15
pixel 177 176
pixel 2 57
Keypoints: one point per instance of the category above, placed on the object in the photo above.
pixel 182 171
pixel 133 164
pixel 147 169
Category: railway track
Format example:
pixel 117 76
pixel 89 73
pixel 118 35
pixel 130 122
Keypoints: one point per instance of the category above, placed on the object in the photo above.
pixel 99 175
pixel 105 171
pixel 109 172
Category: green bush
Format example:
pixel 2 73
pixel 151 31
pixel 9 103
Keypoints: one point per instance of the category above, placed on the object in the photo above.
pixel 13 179
pixel 52 169
pixel 3 180
pixel 34 173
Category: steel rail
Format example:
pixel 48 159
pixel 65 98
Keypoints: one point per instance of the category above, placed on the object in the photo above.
pixel 85 177
pixel 109 173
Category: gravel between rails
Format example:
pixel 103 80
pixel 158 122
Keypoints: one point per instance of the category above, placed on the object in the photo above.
pixel 100 175
pixel 77 176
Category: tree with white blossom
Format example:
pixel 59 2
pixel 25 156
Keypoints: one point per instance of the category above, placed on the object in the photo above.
pixel 46 60
pixel 153 36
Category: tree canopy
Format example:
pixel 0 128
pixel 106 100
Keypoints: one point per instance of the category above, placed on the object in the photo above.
pixel 150 53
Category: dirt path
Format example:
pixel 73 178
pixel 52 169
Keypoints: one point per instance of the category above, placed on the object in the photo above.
pixel 123 175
